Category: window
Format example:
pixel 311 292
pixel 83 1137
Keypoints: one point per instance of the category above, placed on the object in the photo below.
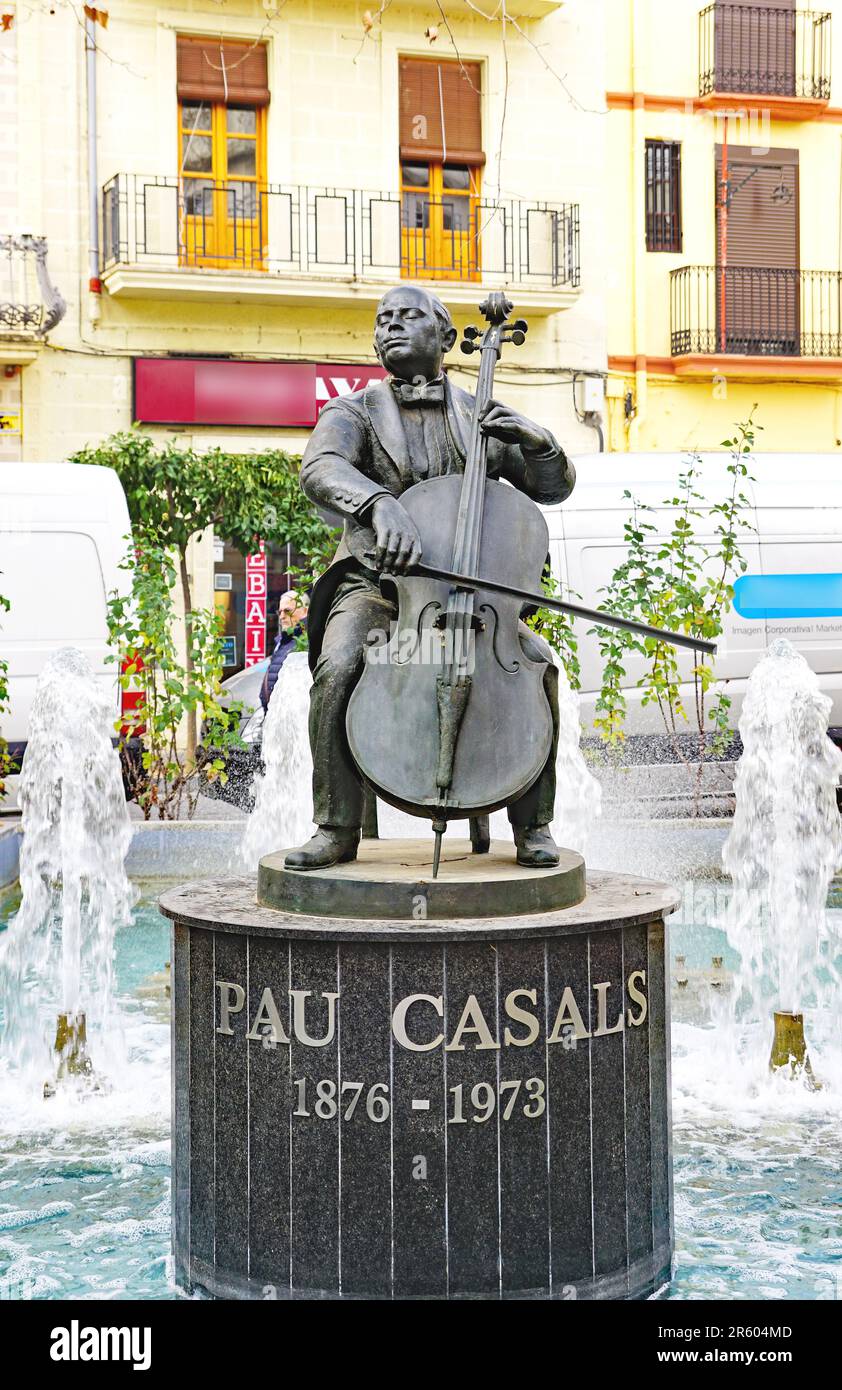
pixel 663 195
pixel 223 95
pixel 441 168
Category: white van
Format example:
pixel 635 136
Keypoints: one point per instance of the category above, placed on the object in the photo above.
pixel 796 509
pixel 63 533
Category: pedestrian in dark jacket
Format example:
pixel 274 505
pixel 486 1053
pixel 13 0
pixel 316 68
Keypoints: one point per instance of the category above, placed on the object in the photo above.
pixel 292 615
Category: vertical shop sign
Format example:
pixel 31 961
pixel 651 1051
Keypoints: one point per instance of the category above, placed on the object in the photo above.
pixel 256 582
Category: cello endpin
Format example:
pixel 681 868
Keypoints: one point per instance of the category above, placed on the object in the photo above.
pixel 439 827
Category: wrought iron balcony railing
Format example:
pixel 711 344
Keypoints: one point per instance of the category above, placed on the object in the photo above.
pixel 30 304
pixel 764 50
pixel 336 233
pixel 756 310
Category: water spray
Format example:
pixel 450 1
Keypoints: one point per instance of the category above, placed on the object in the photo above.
pixel 56 960
pixel 783 849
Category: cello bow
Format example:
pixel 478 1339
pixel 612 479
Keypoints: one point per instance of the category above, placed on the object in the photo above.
pixel 473 582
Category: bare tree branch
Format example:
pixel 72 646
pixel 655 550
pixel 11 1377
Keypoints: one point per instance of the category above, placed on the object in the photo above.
pixel 367 32
pixel 574 101
pixel 464 70
pixel 501 12
pixel 505 102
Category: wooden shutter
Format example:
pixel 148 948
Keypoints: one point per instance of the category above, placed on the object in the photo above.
pixel 762 283
pixel 429 89
pixel 217 70
pixel 755 48
pixel 761 231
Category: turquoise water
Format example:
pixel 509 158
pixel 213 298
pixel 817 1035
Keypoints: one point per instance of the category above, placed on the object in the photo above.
pixel 84 1197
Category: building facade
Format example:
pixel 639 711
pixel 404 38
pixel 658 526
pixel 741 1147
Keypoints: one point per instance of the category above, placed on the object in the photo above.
pixel 226 189
pixel 725 185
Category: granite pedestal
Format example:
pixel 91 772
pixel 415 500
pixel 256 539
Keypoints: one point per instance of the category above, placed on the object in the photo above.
pixel 421 1105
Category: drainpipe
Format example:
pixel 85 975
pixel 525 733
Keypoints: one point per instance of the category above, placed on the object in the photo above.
pixel 638 221
pixel 94 282
pixel 724 200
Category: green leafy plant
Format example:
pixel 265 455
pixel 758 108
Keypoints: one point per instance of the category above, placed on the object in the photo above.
pixel 558 630
pixel 174 493
pixel 683 582
pixel 161 775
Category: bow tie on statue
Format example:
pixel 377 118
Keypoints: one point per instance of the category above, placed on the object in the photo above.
pixel 422 393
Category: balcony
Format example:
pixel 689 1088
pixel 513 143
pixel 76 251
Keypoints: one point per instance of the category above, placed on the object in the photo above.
pixel 329 246
pixel 769 322
pixel 779 58
pixel 30 304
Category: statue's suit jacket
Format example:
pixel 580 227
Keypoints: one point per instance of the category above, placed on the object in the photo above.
pixel 358 452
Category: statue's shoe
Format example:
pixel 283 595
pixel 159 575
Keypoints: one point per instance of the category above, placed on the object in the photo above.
pixel 536 849
pixel 329 845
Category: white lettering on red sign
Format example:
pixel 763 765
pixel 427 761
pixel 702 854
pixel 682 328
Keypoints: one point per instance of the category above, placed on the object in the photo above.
pixel 335 381
pixel 256 584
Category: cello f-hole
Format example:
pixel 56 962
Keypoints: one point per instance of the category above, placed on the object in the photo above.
pixel 515 667
pixel 406 661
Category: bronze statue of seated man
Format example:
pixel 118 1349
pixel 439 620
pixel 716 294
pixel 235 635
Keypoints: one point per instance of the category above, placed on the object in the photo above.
pixel 366 449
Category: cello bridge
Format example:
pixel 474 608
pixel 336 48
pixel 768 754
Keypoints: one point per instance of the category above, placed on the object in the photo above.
pixel 477 624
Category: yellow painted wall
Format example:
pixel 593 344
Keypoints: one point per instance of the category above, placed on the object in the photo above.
pixel 653 50
pixel 332 121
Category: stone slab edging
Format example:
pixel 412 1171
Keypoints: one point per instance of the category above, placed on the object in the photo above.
pixel 159 849
pixel 10 838
pixel 175 849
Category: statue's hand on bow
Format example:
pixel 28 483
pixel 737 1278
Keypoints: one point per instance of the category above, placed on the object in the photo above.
pixel 397 542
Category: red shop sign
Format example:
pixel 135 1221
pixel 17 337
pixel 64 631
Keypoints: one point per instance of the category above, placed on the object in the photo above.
pixel 256 606
pixel 217 391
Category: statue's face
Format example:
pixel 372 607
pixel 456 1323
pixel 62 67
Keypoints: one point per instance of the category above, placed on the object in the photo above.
pixel 408 336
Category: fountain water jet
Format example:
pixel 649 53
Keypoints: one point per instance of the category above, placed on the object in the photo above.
pixel 56 959
pixel 784 846
pixel 282 813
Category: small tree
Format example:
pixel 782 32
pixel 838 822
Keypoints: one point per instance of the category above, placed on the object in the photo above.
pixel 683 583
pixel 140 630
pixel 174 493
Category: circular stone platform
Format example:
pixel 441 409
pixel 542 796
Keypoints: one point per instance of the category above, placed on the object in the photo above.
pixel 468 1107
pixel 394 879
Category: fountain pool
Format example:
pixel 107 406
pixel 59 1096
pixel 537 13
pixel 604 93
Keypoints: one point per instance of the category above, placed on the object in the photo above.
pixel 84 1183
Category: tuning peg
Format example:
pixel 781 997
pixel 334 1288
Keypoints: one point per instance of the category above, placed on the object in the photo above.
pixel 471 332
pixel 517 336
pixel 520 326
pixel 467 346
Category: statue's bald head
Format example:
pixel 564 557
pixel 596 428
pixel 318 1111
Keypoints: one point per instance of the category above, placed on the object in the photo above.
pixel 412 332
pixel 423 298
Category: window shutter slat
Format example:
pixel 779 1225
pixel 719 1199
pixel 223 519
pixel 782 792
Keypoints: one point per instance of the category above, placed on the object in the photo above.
pixel 421 102
pixel 761 232
pixel 212 70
